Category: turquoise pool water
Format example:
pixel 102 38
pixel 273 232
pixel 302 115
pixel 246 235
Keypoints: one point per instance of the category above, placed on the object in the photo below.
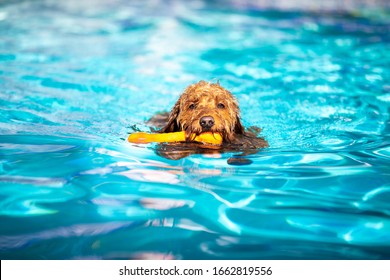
pixel 77 76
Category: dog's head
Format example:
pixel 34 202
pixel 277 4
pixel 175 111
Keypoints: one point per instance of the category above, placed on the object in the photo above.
pixel 205 107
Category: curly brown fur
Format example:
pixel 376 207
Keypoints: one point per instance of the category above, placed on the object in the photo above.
pixel 210 101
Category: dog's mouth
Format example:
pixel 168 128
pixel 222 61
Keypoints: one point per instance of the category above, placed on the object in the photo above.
pixel 208 129
pixel 191 132
pixel 207 123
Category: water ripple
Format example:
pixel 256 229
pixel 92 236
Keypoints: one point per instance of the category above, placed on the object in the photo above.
pixel 17 241
pixel 77 77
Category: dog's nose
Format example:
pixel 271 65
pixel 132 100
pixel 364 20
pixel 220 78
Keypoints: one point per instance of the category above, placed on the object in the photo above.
pixel 206 122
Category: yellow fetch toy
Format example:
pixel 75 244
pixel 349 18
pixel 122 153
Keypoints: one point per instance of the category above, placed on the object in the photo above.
pixel 144 138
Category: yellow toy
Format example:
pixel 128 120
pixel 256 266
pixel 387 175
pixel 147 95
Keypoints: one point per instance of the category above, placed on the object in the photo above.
pixel 143 138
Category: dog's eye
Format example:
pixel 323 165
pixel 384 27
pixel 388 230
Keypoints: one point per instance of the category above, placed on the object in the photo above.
pixel 221 106
pixel 192 106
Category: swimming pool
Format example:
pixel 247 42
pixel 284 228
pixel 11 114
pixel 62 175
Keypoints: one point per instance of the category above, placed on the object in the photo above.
pixel 77 76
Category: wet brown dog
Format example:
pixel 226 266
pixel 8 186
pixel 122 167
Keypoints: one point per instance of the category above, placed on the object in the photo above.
pixel 207 107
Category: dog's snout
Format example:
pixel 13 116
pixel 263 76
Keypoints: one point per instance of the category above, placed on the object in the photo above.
pixel 206 122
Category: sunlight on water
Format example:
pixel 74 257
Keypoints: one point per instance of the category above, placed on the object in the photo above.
pixel 77 76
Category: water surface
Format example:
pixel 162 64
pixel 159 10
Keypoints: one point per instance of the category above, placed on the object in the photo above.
pixel 77 76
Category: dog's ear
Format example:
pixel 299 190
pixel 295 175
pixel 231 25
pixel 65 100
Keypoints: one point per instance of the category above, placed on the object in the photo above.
pixel 239 128
pixel 172 125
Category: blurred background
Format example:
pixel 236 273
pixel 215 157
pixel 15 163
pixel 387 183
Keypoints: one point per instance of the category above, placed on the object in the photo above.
pixel 77 76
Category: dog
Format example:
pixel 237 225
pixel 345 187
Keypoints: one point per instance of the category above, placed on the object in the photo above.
pixel 206 107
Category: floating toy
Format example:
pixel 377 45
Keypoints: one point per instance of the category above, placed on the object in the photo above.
pixel 143 138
